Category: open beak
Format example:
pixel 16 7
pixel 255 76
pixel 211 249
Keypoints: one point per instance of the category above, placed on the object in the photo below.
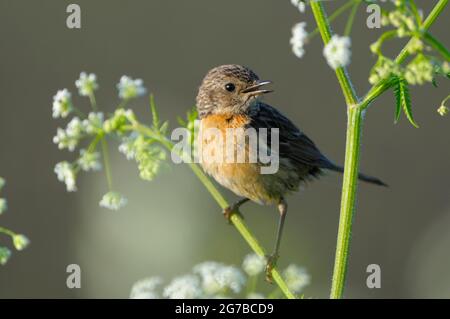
pixel 255 89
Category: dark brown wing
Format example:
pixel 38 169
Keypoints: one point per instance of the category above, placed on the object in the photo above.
pixel 293 143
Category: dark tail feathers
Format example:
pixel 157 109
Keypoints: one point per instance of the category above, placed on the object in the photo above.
pixel 363 177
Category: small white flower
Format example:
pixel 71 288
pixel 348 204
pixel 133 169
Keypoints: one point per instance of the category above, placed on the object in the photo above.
pixel 113 201
pixel 299 38
pixel 62 104
pixel 296 278
pixel 66 174
pixel 89 161
pixel 63 141
pixel 217 277
pixel 231 277
pixel 146 288
pixel 207 271
pixel 337 51
pixel 128 147
pixel 300 4
pixel 185 287
pixel 3 205
pixel 69 137
pixel 86 84
pixel 129 88
pixel 20 241
pixel 93 123
pixel 253 264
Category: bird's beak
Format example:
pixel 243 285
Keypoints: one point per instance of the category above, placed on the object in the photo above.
pixel 255 89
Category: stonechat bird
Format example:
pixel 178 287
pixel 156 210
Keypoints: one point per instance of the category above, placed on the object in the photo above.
pixel 230 98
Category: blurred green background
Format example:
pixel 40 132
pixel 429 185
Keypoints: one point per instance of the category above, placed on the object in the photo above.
pixel 172 223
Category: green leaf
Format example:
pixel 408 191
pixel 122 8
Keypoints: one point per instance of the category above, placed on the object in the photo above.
pixel 403 101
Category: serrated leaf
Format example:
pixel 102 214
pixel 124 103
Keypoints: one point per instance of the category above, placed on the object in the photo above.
pixel 403 101
pixel 398 101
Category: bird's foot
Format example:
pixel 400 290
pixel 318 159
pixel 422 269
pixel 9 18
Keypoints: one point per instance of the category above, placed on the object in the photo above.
pixel 230 211
pixel 271 263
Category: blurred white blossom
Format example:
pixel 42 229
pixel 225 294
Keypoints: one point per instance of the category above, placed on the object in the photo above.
pixel 337 51
pixel 127 147
pixel 66 174
pixel 146 288
pixel 130 88
pixel 299 4
pixel 89 161
pixel 94 122
pixel 217 278
pixel 86 84
pixel 113 201
pixel 296 278
pixel 299 38
pixel 253 264
pixel 69 137
pixel 62 104
pixel 184 287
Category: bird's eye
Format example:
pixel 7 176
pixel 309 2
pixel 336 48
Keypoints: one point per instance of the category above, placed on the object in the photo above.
pixel 229 87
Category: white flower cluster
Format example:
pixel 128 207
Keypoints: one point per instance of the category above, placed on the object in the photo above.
pixel 299 39
pixel 113 201
pixel 253 264
pixel 184 287
pixel 299 4
pixel 296 278
pixel 337 51
pixel 62 104
pixel 86 84
pixel 96 127
pixel 67 174
pixel 129 88
pixel 216 280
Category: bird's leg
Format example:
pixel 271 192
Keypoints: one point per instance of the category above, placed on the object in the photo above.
pixel 272 259
pixel 233 209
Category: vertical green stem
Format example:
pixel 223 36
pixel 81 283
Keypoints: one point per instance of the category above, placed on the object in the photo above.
pixel 348 199
pixel 349 186
pixel 105 152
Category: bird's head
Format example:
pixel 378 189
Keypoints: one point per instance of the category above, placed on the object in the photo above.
pixel 229 89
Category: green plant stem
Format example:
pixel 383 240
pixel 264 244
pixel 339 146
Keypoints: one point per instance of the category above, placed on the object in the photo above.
pixel 437 45
pixel 351 19
pixel 7 232
pixel 105 152
pixel 237 221
pixel 355 112
pixel 336 14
